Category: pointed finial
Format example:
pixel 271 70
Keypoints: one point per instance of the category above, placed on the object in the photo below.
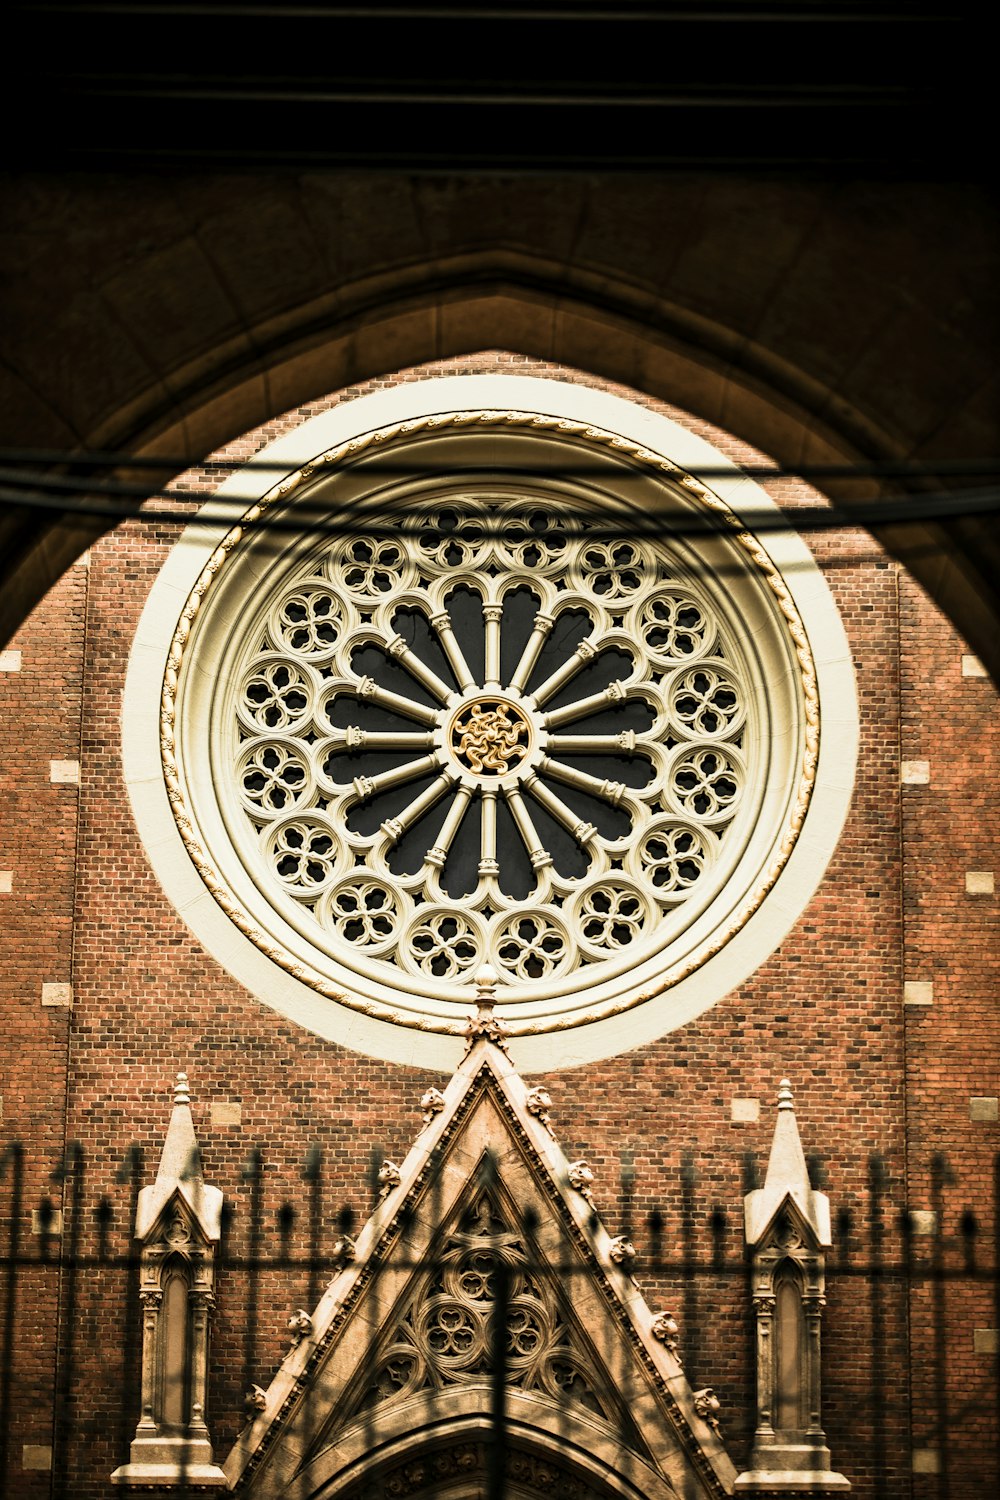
pixel 181 1095
pixel 484 1022
pixel 785 1095
pixel 486 987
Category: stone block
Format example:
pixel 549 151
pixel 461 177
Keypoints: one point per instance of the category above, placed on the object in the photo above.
pixel 979 883
pixel 6 882
pixel 923 1220
pixel 984 1341
pixel 224 1112
pixel 744 1111
pixel 983 1110
pixel 50 1223
pixel 972 667
pixel 915 772
pixel 57 994
pixel 36 1456
pixel 918 992
pixel 64 772
pixel 10 661
pixel 926 1461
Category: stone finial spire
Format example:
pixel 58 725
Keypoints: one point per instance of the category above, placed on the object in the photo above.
pixel 787 1179
pixel 787 1231
pixel 486 987
pixel 178 1220
pixel 180 1171
pixel 484 1023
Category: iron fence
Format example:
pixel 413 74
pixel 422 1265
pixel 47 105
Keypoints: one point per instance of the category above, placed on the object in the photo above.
pixel 911 1399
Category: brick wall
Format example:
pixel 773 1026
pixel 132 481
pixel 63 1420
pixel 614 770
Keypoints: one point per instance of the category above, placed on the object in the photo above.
pixel 880 1085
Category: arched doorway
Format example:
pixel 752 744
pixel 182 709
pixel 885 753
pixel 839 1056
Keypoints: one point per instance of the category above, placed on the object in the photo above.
pixel 450 1450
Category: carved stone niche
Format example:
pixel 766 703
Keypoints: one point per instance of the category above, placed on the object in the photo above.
pixel 787 1227
pixel 178 1221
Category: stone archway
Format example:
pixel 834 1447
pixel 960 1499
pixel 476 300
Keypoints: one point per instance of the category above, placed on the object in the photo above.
pixel 824 323
pixel 456 1459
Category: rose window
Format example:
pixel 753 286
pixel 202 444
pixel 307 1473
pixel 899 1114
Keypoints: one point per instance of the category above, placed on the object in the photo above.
pixel 491 724
pixel 502 742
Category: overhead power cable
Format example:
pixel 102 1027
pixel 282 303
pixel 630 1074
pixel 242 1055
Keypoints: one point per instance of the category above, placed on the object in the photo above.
pixel 893 468
pixel 334 517
pixel 849 12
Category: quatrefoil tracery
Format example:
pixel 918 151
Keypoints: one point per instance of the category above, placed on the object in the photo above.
pixel 438 780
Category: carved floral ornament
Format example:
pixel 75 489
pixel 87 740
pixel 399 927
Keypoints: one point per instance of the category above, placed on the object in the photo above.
pixel 490 723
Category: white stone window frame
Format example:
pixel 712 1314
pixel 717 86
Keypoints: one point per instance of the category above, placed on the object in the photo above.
pixel 654 1003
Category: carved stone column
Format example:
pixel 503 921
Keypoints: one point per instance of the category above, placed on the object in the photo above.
pixel 763 1304
pixel 149 1299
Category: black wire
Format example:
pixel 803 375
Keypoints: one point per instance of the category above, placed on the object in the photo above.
pixel 321 520
pixel 875 468
pixel 716 11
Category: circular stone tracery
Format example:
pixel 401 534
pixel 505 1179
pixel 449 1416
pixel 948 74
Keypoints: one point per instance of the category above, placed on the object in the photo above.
pixel 481 825
pixel 486 728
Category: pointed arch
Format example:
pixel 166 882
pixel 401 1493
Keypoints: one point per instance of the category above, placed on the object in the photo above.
pixel 789 1346
pixel 208 347
pixel 451 1437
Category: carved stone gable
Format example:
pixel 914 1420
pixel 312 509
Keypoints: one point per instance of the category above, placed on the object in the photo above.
pixel 447 1334
pixel 484 1290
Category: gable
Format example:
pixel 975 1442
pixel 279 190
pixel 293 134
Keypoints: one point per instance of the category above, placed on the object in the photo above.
pixel 483 1257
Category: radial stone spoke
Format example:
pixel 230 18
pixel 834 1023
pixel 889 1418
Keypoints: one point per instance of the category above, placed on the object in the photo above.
pixel 542 628
pixel 396 827
pixel 538 855
pixel 353 738
pixel 609 791
pixel 592 744
pixel 488 842
pixel 581 831
pixel 614 693
pixel 439 853
pixel 582 657
pixel 369 690
pixel 398 649
pixel 445 632
pixel 370 786
pixel 492 614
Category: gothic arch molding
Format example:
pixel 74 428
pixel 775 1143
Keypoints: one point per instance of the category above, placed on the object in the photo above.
pixel 440 1447
pixel 233 351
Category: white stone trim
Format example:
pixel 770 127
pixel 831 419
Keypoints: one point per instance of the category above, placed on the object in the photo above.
pixel 923 1221
pixel 225 1112
pixel 51 1223
pixel 57 994
pixel 724 970
pixel 64 772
